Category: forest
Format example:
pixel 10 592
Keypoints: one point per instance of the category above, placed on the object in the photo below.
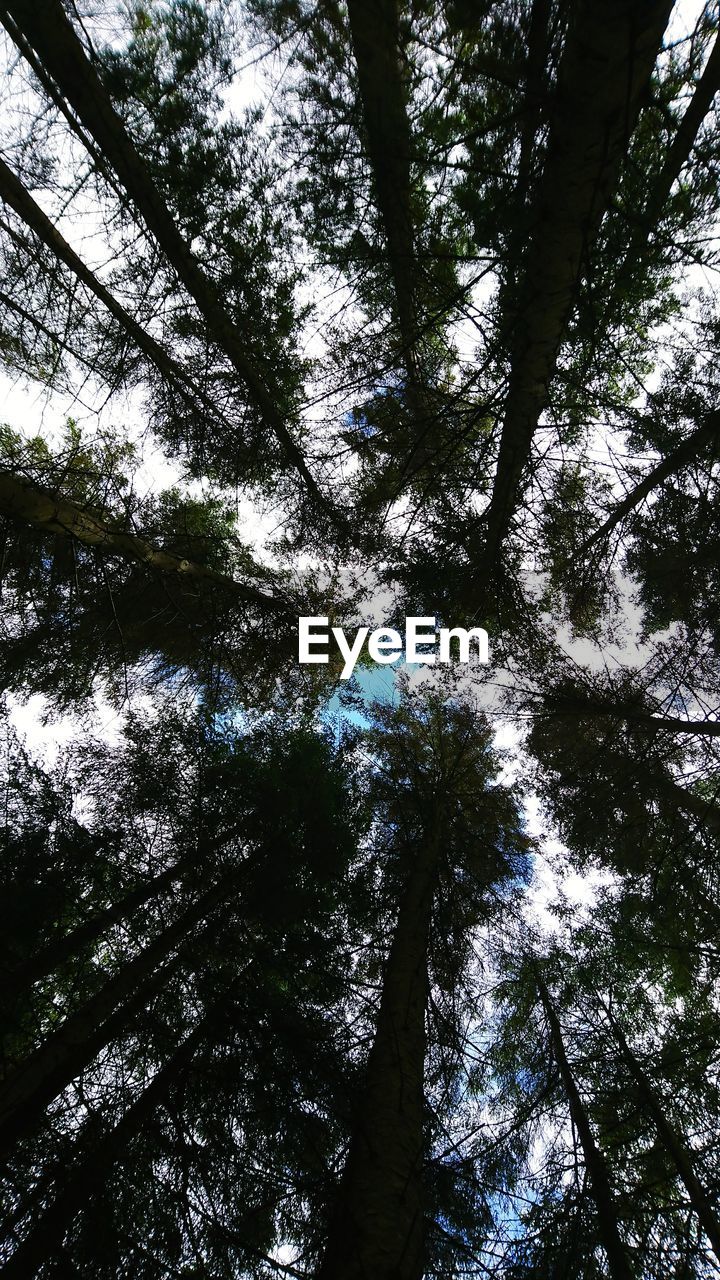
pixel 366 311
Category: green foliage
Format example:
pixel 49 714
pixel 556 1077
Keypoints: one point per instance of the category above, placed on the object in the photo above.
pixel 317 253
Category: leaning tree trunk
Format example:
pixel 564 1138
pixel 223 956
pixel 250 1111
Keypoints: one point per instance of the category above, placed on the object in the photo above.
pixel 672 1141
pixel 83 1178
pixel 42 1076
pixel 708 433
pixel 28 503
pixel 46 960
pixel 678 155
pixel 694 805
pixel 595 1165
pixel 47 29
pixel 377 1228
pixel 20 200
pixel 584 707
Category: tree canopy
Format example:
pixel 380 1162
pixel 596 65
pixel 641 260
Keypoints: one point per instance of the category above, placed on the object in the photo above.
pixel 360 310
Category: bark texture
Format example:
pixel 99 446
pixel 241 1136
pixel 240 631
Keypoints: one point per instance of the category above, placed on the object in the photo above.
pixel 608 58
pixel 26 502
pixel 377 1229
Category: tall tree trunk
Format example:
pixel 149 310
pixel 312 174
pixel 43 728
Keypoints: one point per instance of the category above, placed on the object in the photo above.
pixel 82 1180
pixel 607 1218
pixel 46 27
pixel 23 501
pixel 607 61
pixel 34 1083
pixel 676 460
pixel 377 1229
pixel 375 35
pixel 673 1142
pixel 49 958
pixel 534 92
pixel 19 199
pixel 677 157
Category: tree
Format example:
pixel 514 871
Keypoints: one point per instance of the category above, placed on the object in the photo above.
pixel 448 837
pixel 289 845
pixel 412 301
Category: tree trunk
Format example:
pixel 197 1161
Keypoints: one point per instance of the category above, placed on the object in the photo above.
pixel 607 61
pixel 678 154
pixel 570 706
pixel 607 1218
pixel 534 91
pixel 45 26
pixel 706 811
pixel 49 958
pixel 679 151
pixel 374 29
pixel 23 501
pixel 34 1083
pixel 82 1180
pixel 676 460
pixel 377 1229
pixel 375 35
pixel 19 199
pixel 673 1142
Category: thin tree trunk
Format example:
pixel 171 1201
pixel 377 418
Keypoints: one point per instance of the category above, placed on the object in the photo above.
pixel 46 27
pixel 679 151
pixel 34 1083
pixel 676 460
pixel 49 958
pixel 13 305
pixel 26 502
pixel 18 198
pixel 82 1180
pixel 607 1217
pixel 377 1229
pixel 677 156
pixel 673 1142
pixel 608 58
pixel 375 35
